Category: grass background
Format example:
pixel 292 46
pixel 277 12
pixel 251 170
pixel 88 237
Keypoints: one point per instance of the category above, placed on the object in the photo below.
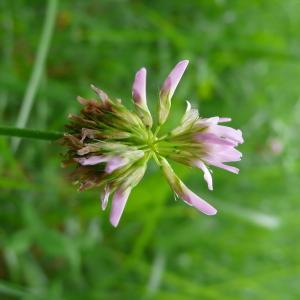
pixel 55 243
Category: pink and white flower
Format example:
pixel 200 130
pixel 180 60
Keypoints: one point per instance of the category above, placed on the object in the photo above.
pixel 111 145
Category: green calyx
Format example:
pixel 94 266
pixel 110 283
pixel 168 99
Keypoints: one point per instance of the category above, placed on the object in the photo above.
pixel 151 145
pixel 165 146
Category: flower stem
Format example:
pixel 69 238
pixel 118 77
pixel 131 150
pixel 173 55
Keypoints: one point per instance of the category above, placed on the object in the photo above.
pixel 156 158
pixel 157 130
pixel 160 139
pixel 30 133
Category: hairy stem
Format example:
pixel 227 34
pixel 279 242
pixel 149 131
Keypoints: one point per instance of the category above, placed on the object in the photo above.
pixel 30 133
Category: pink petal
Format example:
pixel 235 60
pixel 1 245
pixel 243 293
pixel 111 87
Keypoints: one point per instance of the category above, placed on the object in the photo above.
pixel 92 160
pixel 173 78
pixel 223 153
pixel 227 132
pixel 184 192
pixel 209 121
pixel 115 163
pixel 212 138
pixel 230 155
pixel 118 205
pixel 224 120
pixel 207 174
pixel 194 200
pixel 223 166
pixel 139 87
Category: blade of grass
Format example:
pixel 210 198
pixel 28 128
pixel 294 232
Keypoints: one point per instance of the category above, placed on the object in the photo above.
pixel 38 68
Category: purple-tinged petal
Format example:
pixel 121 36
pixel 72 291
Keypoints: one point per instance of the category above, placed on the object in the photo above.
pixel 168 89
pixel 227 157
pixel 92 160
pixel 222 153
pixel 194 200
pixel 227 132
pixel 184 192
pixel 222 166
pixel 115 163
pixel 207 174
pixel 230 155
pixel 104 196
pixel 118 205
pixel 173 78
pixel 224 120
pixel 139 87
pixel 212 138
pixel 208 121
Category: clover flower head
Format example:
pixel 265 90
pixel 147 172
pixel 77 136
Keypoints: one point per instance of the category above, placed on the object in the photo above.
pixel 110 145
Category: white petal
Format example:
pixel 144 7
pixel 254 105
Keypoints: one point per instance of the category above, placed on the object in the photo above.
pixel 207 174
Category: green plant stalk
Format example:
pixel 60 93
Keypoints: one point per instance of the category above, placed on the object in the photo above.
pixel 30 133
pixel 38 68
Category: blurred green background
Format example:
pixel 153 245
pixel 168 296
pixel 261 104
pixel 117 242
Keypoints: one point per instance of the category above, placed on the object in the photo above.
pixel 56 243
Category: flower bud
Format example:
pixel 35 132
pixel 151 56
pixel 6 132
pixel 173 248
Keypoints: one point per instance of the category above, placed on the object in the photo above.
pixel 168 89
pixel 139 97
